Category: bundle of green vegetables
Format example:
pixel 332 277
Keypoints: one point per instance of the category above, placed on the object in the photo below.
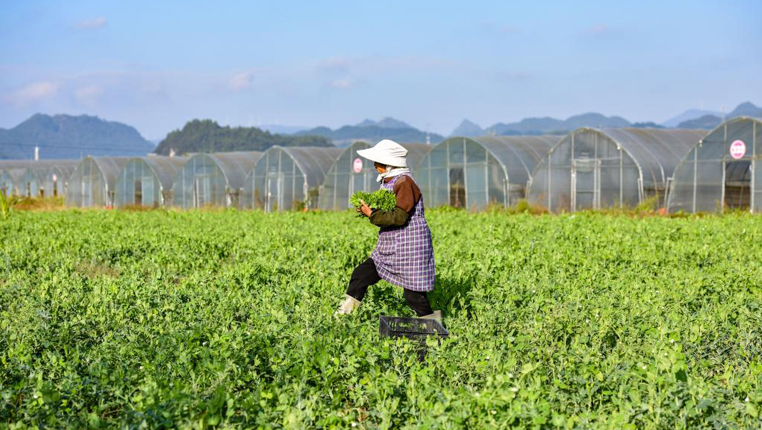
pixel 384 200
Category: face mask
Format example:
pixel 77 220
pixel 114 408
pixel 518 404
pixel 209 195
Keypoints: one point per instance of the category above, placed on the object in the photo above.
pixel 391 172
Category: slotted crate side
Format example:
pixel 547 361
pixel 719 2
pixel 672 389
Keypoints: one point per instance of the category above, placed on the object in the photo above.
pixel 412 328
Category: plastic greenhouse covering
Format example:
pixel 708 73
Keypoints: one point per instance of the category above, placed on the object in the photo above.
pixel 28 176
pixel 603 168
pixel 57 177
pixel 212 179
pixel 93 181
pixel 30 184
pixel 473 172
pixel 352 173
pixel 287 178
pixel 147 181
pixel 9 180
pixel 722 171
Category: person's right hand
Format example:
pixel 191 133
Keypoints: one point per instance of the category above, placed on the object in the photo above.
pixel 364 209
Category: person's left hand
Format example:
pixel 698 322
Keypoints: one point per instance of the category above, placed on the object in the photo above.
pixel 364 209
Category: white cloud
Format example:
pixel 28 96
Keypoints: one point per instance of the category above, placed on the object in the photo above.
pixel 88 95
pixel 99 22
pixel 34 92
pixel 342 84
pixel 241 81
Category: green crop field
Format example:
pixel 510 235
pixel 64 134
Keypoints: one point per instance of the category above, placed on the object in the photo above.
pixel 203 319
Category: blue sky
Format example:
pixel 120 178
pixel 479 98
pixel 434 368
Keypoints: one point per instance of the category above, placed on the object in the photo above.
pixel 156 65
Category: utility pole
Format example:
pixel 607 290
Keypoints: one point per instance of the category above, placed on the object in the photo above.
pixel 36 153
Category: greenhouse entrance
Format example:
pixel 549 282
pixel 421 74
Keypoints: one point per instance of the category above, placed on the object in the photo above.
pixel 738 185
pixel 457 188
pixel 138 193
pixel 585 183
pixel 202 190
pixel 273 187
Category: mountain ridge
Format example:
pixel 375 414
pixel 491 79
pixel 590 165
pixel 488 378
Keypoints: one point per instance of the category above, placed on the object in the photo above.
pixel 64 136
pixel 208 136
pixel 372 131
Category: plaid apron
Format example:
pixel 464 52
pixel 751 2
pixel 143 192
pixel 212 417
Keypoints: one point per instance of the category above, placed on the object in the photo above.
pixel 404 256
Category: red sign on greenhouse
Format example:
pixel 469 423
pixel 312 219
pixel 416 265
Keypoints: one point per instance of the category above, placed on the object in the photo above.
pixel 357 165
pixel 737 149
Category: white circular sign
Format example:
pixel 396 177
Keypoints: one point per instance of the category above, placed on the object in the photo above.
pixel 737 149
pixel 55 178
pixel 357 165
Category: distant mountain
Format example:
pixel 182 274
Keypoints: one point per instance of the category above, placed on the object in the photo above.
pixel 706 122
pixel 746 109
pixel 711 121
pixel 387 122
pixel 282 129
pixel 372 132
pixel 207 136
pixel 468 129
pixel 689 115
pixel 71 137
pixel 547 125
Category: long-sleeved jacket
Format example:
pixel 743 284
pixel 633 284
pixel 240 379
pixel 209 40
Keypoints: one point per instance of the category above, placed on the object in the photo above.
pixel 408 194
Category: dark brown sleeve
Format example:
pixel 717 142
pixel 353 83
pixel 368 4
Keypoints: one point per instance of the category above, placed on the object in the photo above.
pixel 407 193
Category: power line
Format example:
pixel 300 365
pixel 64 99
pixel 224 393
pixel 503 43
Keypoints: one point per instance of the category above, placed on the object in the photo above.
pixel 77 148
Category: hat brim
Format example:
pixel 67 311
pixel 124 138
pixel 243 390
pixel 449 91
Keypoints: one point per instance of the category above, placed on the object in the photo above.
pixel 381 158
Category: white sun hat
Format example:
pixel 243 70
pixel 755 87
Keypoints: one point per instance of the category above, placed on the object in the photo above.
pixel 386 152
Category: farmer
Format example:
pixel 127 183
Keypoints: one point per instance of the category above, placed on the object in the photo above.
pixel 404 255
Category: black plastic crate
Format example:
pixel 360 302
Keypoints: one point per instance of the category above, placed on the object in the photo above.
pixel 411 328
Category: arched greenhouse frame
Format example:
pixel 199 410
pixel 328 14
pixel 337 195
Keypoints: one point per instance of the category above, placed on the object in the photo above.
pixel 722 171
pixel 351 173
pixel 474 172
pixel 606 168
pixel 147 181
pixel 288 178
pixel 212 179
pixel 93 182
pixel 55 182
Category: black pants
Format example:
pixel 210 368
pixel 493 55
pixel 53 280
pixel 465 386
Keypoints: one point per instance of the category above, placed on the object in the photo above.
pixel 366 275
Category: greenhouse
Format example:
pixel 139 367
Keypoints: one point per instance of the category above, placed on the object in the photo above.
pixel 352 173
pixel 474 172
pixel 721 171
pixel 147 181
pixel 10 178
pixel 54 183
pixel 288 178
pixel 93 181
pixel 606 168
pixel 212 179
pixel 33 177
pixel 31 182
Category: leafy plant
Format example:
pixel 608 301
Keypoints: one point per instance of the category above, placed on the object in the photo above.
pixel 382 199
pixel 6 204
pixel 170 319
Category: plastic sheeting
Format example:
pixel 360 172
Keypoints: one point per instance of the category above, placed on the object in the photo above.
pixel 147 181
pixel 28 177
pixel 352 173
pixel 56 178
pixel 93 182
pixel 30 184
pixel 288 178
pixel 213 179
pixel 722 171
pixel 474 172
pixel 616 167
pixel 10 179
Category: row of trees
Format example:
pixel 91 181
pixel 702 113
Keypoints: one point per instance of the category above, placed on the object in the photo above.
pixel 208 136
